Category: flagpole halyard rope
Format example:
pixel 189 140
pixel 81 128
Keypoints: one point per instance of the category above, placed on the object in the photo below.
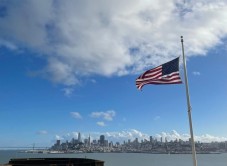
pixel 189 106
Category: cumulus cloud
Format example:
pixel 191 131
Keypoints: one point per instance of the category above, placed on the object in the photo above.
pixel 57 137
pixel 76 115
pixel 210 138
pixel 121 136
pixel 132 134
pixel 82 38
pixel 173 135
pixel 108 115
pixel 124 135
pixel 102 124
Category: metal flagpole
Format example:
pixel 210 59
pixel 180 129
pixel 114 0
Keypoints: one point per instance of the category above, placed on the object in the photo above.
pixel 189 106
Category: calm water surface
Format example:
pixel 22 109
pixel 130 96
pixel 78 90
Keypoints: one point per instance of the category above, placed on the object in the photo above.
pixel 131 159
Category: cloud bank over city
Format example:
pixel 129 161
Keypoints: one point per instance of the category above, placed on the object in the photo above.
pixel 79 39
pixel 132 134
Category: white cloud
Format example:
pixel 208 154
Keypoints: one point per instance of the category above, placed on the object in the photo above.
pixel 68 91
pixel 210 138
pixel 76 115
pixel 124 135
pixel 102 124
pixel 8 44
pixel 173 135
pixel 42 132
pixel 108 115
pixel 196 73
pixel 57 137
pixel 82 38
pixel 132 134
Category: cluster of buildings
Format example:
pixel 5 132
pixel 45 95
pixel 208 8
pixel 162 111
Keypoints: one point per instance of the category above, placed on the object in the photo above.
pixel 78 145
pixel 136 146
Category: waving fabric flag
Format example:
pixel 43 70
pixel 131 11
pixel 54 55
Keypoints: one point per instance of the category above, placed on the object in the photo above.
pixel 167 73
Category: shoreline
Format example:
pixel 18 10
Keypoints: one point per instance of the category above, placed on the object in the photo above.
pixel 80 152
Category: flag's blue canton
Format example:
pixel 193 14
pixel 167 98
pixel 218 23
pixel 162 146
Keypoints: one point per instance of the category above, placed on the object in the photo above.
pixel 170 67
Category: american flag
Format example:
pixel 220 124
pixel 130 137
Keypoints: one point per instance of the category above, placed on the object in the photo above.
pixel 167 73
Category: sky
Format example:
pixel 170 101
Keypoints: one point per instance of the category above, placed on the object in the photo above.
pixel 70 66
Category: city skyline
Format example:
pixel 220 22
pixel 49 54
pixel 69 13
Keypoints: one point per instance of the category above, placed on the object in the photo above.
pixel 152 145
pixel 162 137
pixel 71 66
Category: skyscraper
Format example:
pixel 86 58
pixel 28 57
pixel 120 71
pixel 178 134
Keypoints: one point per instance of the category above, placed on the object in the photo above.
pixel 89 140
pixel 79 137
pixel 151 139
pixel 102 139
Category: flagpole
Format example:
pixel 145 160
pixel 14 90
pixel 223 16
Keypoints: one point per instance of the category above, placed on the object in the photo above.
pixel 189 106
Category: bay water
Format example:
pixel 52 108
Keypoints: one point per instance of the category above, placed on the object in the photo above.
pixel 128 159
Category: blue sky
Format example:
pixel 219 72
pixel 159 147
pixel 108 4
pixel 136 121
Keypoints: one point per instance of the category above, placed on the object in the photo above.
pixel 65 71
